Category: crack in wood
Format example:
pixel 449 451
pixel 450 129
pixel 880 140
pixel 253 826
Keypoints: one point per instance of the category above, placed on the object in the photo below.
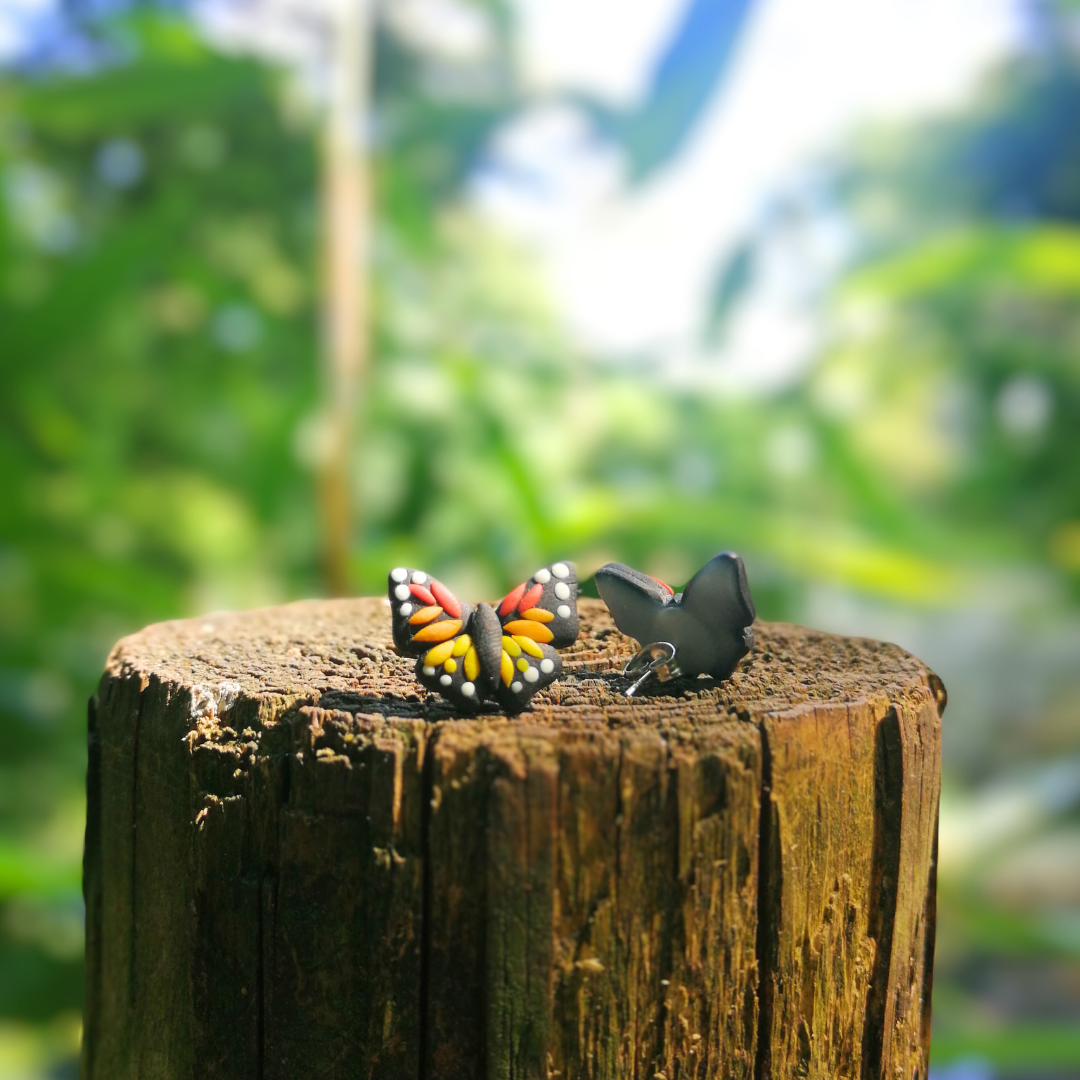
pixel 770 872
pixel 885 876
pixel 426 903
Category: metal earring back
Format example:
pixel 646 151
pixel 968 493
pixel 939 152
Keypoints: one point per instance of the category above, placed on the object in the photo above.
pixel 656 659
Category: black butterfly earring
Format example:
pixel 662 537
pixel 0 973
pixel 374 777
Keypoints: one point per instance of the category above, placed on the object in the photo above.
pixel 475 654
pixel 705 629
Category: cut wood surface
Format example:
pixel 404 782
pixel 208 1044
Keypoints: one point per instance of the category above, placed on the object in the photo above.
pixel 301 865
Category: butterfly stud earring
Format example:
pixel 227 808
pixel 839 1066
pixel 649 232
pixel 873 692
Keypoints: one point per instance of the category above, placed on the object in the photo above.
pixel 473 654
pixel 705 629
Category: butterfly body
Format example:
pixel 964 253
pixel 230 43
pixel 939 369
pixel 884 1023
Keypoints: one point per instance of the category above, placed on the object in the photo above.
pixel 472 654
pixel 708 622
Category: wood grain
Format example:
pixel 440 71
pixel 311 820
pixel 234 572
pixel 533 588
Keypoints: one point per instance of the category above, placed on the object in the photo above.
pixel 298 864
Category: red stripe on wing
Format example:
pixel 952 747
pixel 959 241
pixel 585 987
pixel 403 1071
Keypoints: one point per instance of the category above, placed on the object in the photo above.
pixel 422 594
pixel 450 603
pixel 510 601
pixel 531 598
pixel 662 584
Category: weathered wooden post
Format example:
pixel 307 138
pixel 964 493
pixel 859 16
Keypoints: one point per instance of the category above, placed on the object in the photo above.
pixel 297 866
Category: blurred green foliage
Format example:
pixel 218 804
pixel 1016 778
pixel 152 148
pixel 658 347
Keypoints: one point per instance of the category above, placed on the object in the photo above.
pixel 953 376
pixel 144 255
pixel 160 401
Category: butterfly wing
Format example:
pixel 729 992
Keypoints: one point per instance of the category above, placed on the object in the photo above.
pixel 424 611
pixel 453 669
pixel 715 614
pixel 708 623
pixel 544 608
pixel 526 666
pixel 455 645
pixel 635 601
pixel 537 617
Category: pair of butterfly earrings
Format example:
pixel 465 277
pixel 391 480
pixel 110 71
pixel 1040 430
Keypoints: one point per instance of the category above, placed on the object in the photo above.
pixel 472 654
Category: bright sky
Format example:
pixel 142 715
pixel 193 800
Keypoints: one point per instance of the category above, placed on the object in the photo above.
pixel 15 16
pixel 629 270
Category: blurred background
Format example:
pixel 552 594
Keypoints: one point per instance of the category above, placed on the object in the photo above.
pixel 293 291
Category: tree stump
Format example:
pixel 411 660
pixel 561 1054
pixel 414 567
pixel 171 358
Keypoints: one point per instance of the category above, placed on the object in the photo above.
pixel 299 865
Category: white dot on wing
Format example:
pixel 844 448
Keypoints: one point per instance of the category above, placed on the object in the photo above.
pixel 562 591
pixel 429 670
pixel 532 675
pixel 542 577
pixel 516 687
pixel 419 577
pixel 547 666
pixel 560 569
pixel 468 689
pixel 402 592
pixel 563 611
pixel 445 680
pixel 405 609
pixel 399 573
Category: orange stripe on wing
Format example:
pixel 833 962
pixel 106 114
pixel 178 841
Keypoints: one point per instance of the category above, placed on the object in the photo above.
pixel 440 631
pixel 528 628
pixel 538 614
pixel 425 615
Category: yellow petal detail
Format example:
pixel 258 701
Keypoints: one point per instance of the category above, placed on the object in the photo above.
pixel 506 668
pixel 511 646
pixel 527 628
pixel 425 615
pixel 472 664
pixel 538 614
pixel 440 653
pixel 529 646
pixel 461 646
pixel 522 664
pixel 440 631
pixel 450 666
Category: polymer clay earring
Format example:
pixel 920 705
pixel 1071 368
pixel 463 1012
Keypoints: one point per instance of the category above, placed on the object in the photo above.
pixel 704 630
pixel 472 654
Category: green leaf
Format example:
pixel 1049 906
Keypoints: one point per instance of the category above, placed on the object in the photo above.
pixel 1012 1046
pixel 1033 259
pixel 25 870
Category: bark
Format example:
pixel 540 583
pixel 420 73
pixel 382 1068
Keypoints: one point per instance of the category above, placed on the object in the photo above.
pixel 298 864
